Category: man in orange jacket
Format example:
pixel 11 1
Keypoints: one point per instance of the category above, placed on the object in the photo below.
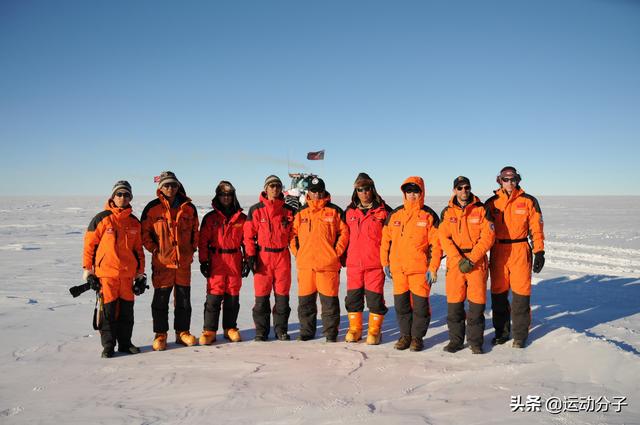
pixel 113 254
pixel 318 239
pixel 170 234
pixel 410 253
pixel 221 258
pixel 365 217
pixel 517 217
pixel 466 234
pixel 266 238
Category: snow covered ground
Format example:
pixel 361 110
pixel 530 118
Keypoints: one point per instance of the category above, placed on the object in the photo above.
pixel 584 344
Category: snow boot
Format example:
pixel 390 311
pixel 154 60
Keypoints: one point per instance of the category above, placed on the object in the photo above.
pixel 476 349
pixel 518 343
pixel 160 342
pixel 416 344
pixel 232 334
pixel 130 349
pixel 283 336
pixel 207 337
pixel 107 353
pixel 375 324
pixel 403 343
pixel 452 347
pixel 355 327
pixel 499 340
pixel 185 338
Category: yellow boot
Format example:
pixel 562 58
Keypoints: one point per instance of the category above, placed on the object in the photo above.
pixel 232 334
pixel 355 327
pixel 207 337
pixel 375 326
pixel 185 338
pixel 160 342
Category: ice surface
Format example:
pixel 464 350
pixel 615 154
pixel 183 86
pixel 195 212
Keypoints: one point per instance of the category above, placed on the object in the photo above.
pixel 585 339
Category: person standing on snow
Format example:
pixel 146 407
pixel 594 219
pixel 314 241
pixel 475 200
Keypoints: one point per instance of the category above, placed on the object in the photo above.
pixel 266 240
pixel 466 234
pixel 517 218
pixel 365 217
pixel 221 263
pixel 410 254
pixel 112 258
pixel 318 239
pixel 170 234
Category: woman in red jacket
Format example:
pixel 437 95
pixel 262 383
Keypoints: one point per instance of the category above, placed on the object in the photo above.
pixel 221 255
pixel 365 217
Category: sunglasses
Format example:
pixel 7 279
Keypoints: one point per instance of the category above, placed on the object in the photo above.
pixel 275 185
pixel 170 185
pixel 463 188
pixel 123 195
pixel 363 189
pixel 507 180
pixel 412 190
pixel 229 194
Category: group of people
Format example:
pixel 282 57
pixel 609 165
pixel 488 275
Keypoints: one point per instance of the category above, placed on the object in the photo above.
pixel 370 239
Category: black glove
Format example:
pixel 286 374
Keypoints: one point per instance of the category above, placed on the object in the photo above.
pixel 140 284
pixel 253 263
pixel 465 265
pixel 246 268
pixel 538 261
pixel 204 269
pixel 94 282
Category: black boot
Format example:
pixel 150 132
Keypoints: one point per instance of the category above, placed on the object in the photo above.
pixel 108 328
pixel 125 328
pixel 404 314
pixel 212 307
pixel 475 326
pixel 456 326
pixel 501 317
pixel 308 316
pixel 281 312
pixel 182 312
pixel 421 316
pixel 521 318
pixel 260 313
pixel 230 311
pixel 330 317
pixel 160 309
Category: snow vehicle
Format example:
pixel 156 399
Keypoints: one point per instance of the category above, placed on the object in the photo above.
pixel 296 195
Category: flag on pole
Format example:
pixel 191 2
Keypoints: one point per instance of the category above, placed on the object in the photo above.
pixel 314 156
pixel 156 179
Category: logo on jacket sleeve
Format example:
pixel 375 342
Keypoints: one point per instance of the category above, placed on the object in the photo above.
pixel 453 220
pixel 397 223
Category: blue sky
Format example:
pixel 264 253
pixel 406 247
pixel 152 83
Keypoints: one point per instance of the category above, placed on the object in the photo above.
pixel 92 92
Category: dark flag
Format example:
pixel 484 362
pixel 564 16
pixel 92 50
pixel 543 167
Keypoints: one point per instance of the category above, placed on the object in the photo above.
pixel 314 156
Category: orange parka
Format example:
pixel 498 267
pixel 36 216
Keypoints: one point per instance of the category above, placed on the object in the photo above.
pixel 319 236
pixel 113 244
pixel 170 232
pixel 410 241
pixel 466 232
pixel 517 217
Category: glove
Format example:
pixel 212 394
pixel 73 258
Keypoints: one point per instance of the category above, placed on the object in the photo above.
pixel 387 271
pixel 94 282
pixel 86 273
pixel 246 268
pixel 432 277
pixel 465 265
pixel 140 284
pixel 204 269
pixel 538 261
pixel 253 264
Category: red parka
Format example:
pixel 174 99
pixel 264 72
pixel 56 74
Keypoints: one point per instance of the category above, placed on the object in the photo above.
pixel 268 225
pixel 221 242
pixel 365 235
